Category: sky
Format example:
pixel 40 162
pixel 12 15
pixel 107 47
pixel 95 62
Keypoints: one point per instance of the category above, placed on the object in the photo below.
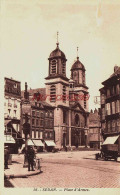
pixel 28 36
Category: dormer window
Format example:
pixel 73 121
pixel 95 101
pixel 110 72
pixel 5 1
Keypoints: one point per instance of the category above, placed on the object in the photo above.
pixel 53 66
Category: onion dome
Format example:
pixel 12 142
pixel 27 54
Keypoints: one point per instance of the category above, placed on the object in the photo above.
pixel 78 65
pixel 57 53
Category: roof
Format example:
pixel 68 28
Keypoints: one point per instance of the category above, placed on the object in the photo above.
pixel 113 77
pixel 78 65
pixel 116 73
pixel 57 53
pixel 32 91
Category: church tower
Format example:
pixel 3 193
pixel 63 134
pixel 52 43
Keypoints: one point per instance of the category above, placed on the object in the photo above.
pixel 57 89
pixel 78 76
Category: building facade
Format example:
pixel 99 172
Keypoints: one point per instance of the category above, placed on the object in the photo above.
pixel 69 97
pixel 110 105
pixel 94 135
pixel 12 109
pixel 40 118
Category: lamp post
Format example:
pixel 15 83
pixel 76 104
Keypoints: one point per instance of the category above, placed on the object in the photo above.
pixel 26 107
pixel 86 134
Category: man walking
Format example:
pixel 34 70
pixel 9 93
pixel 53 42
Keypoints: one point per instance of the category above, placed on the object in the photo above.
pixel 30 157
pixel 6 157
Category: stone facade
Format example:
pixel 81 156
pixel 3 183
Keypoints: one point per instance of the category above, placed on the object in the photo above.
pixel 12 110
pixel 94 135
pixel 110 105
pixel 69 97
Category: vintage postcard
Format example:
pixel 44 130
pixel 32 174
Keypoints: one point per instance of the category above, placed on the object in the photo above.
pixel 60 90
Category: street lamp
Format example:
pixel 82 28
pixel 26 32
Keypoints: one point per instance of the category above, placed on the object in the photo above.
pixel 86 133
pixel 26 108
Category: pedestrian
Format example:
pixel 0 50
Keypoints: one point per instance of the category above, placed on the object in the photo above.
pixel 6 157
pixel 66 148
pixel 30 157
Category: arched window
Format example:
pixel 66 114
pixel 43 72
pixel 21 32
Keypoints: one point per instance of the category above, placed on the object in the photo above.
pixel 52 93
pixel 75 77
pixel 63 67
pixel 53 66
pixel 77 120
pixel 83 77
pixel 64 93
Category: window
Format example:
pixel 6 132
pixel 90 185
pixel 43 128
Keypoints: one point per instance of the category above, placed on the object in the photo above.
pixel 46 114
pixel 108 92
pixel 108 109
pixel 113 107
pixel 118 89
pixel 53 66
pixel 118 122
pixel 83 77
pixel 41 135
pixel 50 134
pixel 35 103
pixel 51 114
pixel 103 113
pixel 42 115
pixel 64 116
pixel 52 93
pixel 51 123
pixel 9 102
pixel 41 122
pixel 15 103
pixel 46 123
pixel 37 122
pixel 14 113
pixel 9 110
pixel 37 113
pixel 36 134
pixel 109 126
pixel 117 106
pixel 63 67
pixel 113 125
pixel 85 103
pixel 33 113
pixel 75 77
pixel 64 93
pixel 33 121
pixel 102 99
pixel 45 135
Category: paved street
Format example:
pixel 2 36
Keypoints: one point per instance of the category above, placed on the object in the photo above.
pixel 72 170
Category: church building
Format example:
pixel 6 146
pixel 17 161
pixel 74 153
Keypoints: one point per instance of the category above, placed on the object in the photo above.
pixel 70 98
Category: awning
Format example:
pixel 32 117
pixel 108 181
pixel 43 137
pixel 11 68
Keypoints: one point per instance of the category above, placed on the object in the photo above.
pixel 30 143
pixel 38 142
pixel 6 122
pixel 110 140
pixel 8 139
pixel 50 143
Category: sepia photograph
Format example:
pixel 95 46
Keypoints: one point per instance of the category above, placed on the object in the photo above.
pixel 61 85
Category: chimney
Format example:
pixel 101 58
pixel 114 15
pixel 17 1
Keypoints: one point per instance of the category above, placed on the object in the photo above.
pixel 115 68
pixel 26 93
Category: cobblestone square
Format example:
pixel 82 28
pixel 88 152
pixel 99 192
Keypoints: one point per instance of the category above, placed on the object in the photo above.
pixel 72 170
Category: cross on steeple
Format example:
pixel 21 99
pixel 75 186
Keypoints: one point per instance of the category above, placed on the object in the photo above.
pixel 57 39
pixel 77 53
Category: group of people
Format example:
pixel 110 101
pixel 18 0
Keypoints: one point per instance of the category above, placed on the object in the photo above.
pixel 30 156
